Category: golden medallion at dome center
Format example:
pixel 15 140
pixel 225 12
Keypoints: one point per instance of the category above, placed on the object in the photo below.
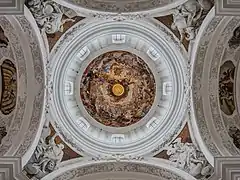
pixel 117 89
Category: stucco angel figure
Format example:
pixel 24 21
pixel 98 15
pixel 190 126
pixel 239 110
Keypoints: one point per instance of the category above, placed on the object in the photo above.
pixel 46 158
pixel 186 157
pixel 185 17
pixel 48 15
pixel 180 24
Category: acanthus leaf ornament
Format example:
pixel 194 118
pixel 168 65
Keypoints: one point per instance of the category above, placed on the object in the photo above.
pixel 120 16
pixel 118 157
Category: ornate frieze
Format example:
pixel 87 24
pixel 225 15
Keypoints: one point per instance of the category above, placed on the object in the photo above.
pixel 196 95
pixel 118 157
pixel 157 170
pixel 40 80
pixel 120 17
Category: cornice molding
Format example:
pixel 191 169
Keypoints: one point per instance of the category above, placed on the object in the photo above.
pixel 11 7
pixel 11 169
pixel 227 7
pixel 226 168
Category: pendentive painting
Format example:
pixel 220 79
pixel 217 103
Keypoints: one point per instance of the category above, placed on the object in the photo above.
pixel 8 87
pixel 234 42
pixel 3 39
pixel 234 133
pixel 226 88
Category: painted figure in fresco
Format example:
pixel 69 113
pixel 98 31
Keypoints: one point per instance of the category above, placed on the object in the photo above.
pixel 48 15
pixel 186 157
pixel 234 42
pixel 234 133
pixel 45 159
pixel 3 39
pixel 9 87
pixel 3 133
pixel 117 89
pixel 226 88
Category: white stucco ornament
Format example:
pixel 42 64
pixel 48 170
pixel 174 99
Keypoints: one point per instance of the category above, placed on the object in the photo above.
pixel 72 55
pixel 48 15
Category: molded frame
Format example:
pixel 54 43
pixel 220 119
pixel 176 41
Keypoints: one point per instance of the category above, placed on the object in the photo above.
pixel 227 7
pixel 11 7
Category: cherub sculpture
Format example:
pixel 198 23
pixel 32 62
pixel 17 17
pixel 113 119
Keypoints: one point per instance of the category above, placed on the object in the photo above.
pixel 186 17
pixel 180 23
pixel 48 15
pixel 186 157
pixel 46 158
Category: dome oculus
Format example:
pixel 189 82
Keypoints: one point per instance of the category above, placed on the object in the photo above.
pixel 117 89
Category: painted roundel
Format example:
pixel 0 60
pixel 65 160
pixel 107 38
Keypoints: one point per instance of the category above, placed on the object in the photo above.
pixel 117 89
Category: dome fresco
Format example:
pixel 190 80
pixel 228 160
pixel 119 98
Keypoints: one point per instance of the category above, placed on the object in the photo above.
pixel 117 88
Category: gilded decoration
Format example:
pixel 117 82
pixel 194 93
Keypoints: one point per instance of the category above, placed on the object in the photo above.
pixel 124 167
pixel 117 89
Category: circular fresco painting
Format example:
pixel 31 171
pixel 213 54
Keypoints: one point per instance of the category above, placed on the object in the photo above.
pixel 117 89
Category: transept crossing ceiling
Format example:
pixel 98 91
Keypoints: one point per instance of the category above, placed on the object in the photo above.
pixel 119 90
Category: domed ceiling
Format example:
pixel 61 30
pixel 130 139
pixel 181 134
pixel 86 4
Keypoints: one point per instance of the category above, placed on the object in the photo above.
pixel 118 87
pixel 119 90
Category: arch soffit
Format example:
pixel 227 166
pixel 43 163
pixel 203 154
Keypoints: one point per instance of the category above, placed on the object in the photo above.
pixel 151 167
pixel 208 122
pixel 28 49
